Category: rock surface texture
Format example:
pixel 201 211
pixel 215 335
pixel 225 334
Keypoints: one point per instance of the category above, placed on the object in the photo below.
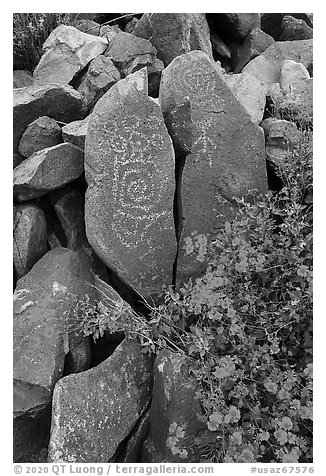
pixel 129 165
pixel 66 52
pixel 226 149
pixel 173 34
pixel 94 411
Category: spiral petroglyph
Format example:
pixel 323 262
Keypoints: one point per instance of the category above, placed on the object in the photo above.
pixel 130 170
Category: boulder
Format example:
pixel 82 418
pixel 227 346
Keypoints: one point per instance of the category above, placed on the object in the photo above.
pixel 69 208
pixel 176 417
pixel 295 29
pixel 94 411
pixel 281 133
pixel 88 26
pixel 47 170
pixel 30 238
pixel 267 66
pixel 129 167
pixel 22 78
pixel 42 133
pixel 255 43
pixel 251 93
pixel 235 26
pixel 124 48
pixel 75 132
pixel 271 23
pixel 100 76
pixel 226 151
pixel 66 52
pixel 31 437
pixel 173 34
pixel 293 95
pixel 44 325
pixel 62 103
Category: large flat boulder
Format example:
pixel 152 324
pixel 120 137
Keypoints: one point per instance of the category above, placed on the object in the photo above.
pixel 44 306
pixel 94 411
pixel 129 167
pixel 47 170
pixel 173 34
pixel 226 153
pixel 61 102
pixel 66 52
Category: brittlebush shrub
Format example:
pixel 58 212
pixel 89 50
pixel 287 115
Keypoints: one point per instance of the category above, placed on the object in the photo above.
pixel 30 30
pixel 247 325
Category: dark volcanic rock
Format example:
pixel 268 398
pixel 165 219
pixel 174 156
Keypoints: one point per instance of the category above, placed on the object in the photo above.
pixel 255 43
pixel 129 166
pixel 30 237
pixel 47 170
pixel 100 76
pixel 94 411
pixel 173 34
pixel 75 132
pixel 226 151
pixel 66 52
pixel 271 23
pixel 44 303
pixel 295 29
pixel 62 103
pixel 42 133
pixel 175 413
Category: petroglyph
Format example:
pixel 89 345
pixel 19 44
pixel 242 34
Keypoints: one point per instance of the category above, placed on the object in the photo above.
pixel 130 171
pixel 226 156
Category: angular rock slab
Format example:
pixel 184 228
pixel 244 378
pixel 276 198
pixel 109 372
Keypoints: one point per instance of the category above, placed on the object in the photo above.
pixel 94 411
pixel 267 66
pixel 173 34
pixel 47 170
pixel 227 151
pixel 66 52
pixel 75 132
pixel 175 413
pixel 42 133
pixel 129 167
pixel 60 102
pixel 43 328
pixel 30 237
pixel 256 42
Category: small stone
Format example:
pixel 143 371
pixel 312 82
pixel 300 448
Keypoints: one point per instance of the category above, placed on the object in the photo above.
pixel 30 240
pixel 47 170
pixel 66 52
pixel 98 79
pixel 94 411
pixel 292 72
pixel 75 132
pixel 42 133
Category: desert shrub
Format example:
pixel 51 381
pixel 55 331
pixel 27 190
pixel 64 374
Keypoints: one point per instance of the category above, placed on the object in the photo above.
pixel 30 30
pixel 246 324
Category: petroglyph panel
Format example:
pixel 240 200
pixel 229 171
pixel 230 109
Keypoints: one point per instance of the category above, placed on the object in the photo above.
pixel 226 156
pixel 129 203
